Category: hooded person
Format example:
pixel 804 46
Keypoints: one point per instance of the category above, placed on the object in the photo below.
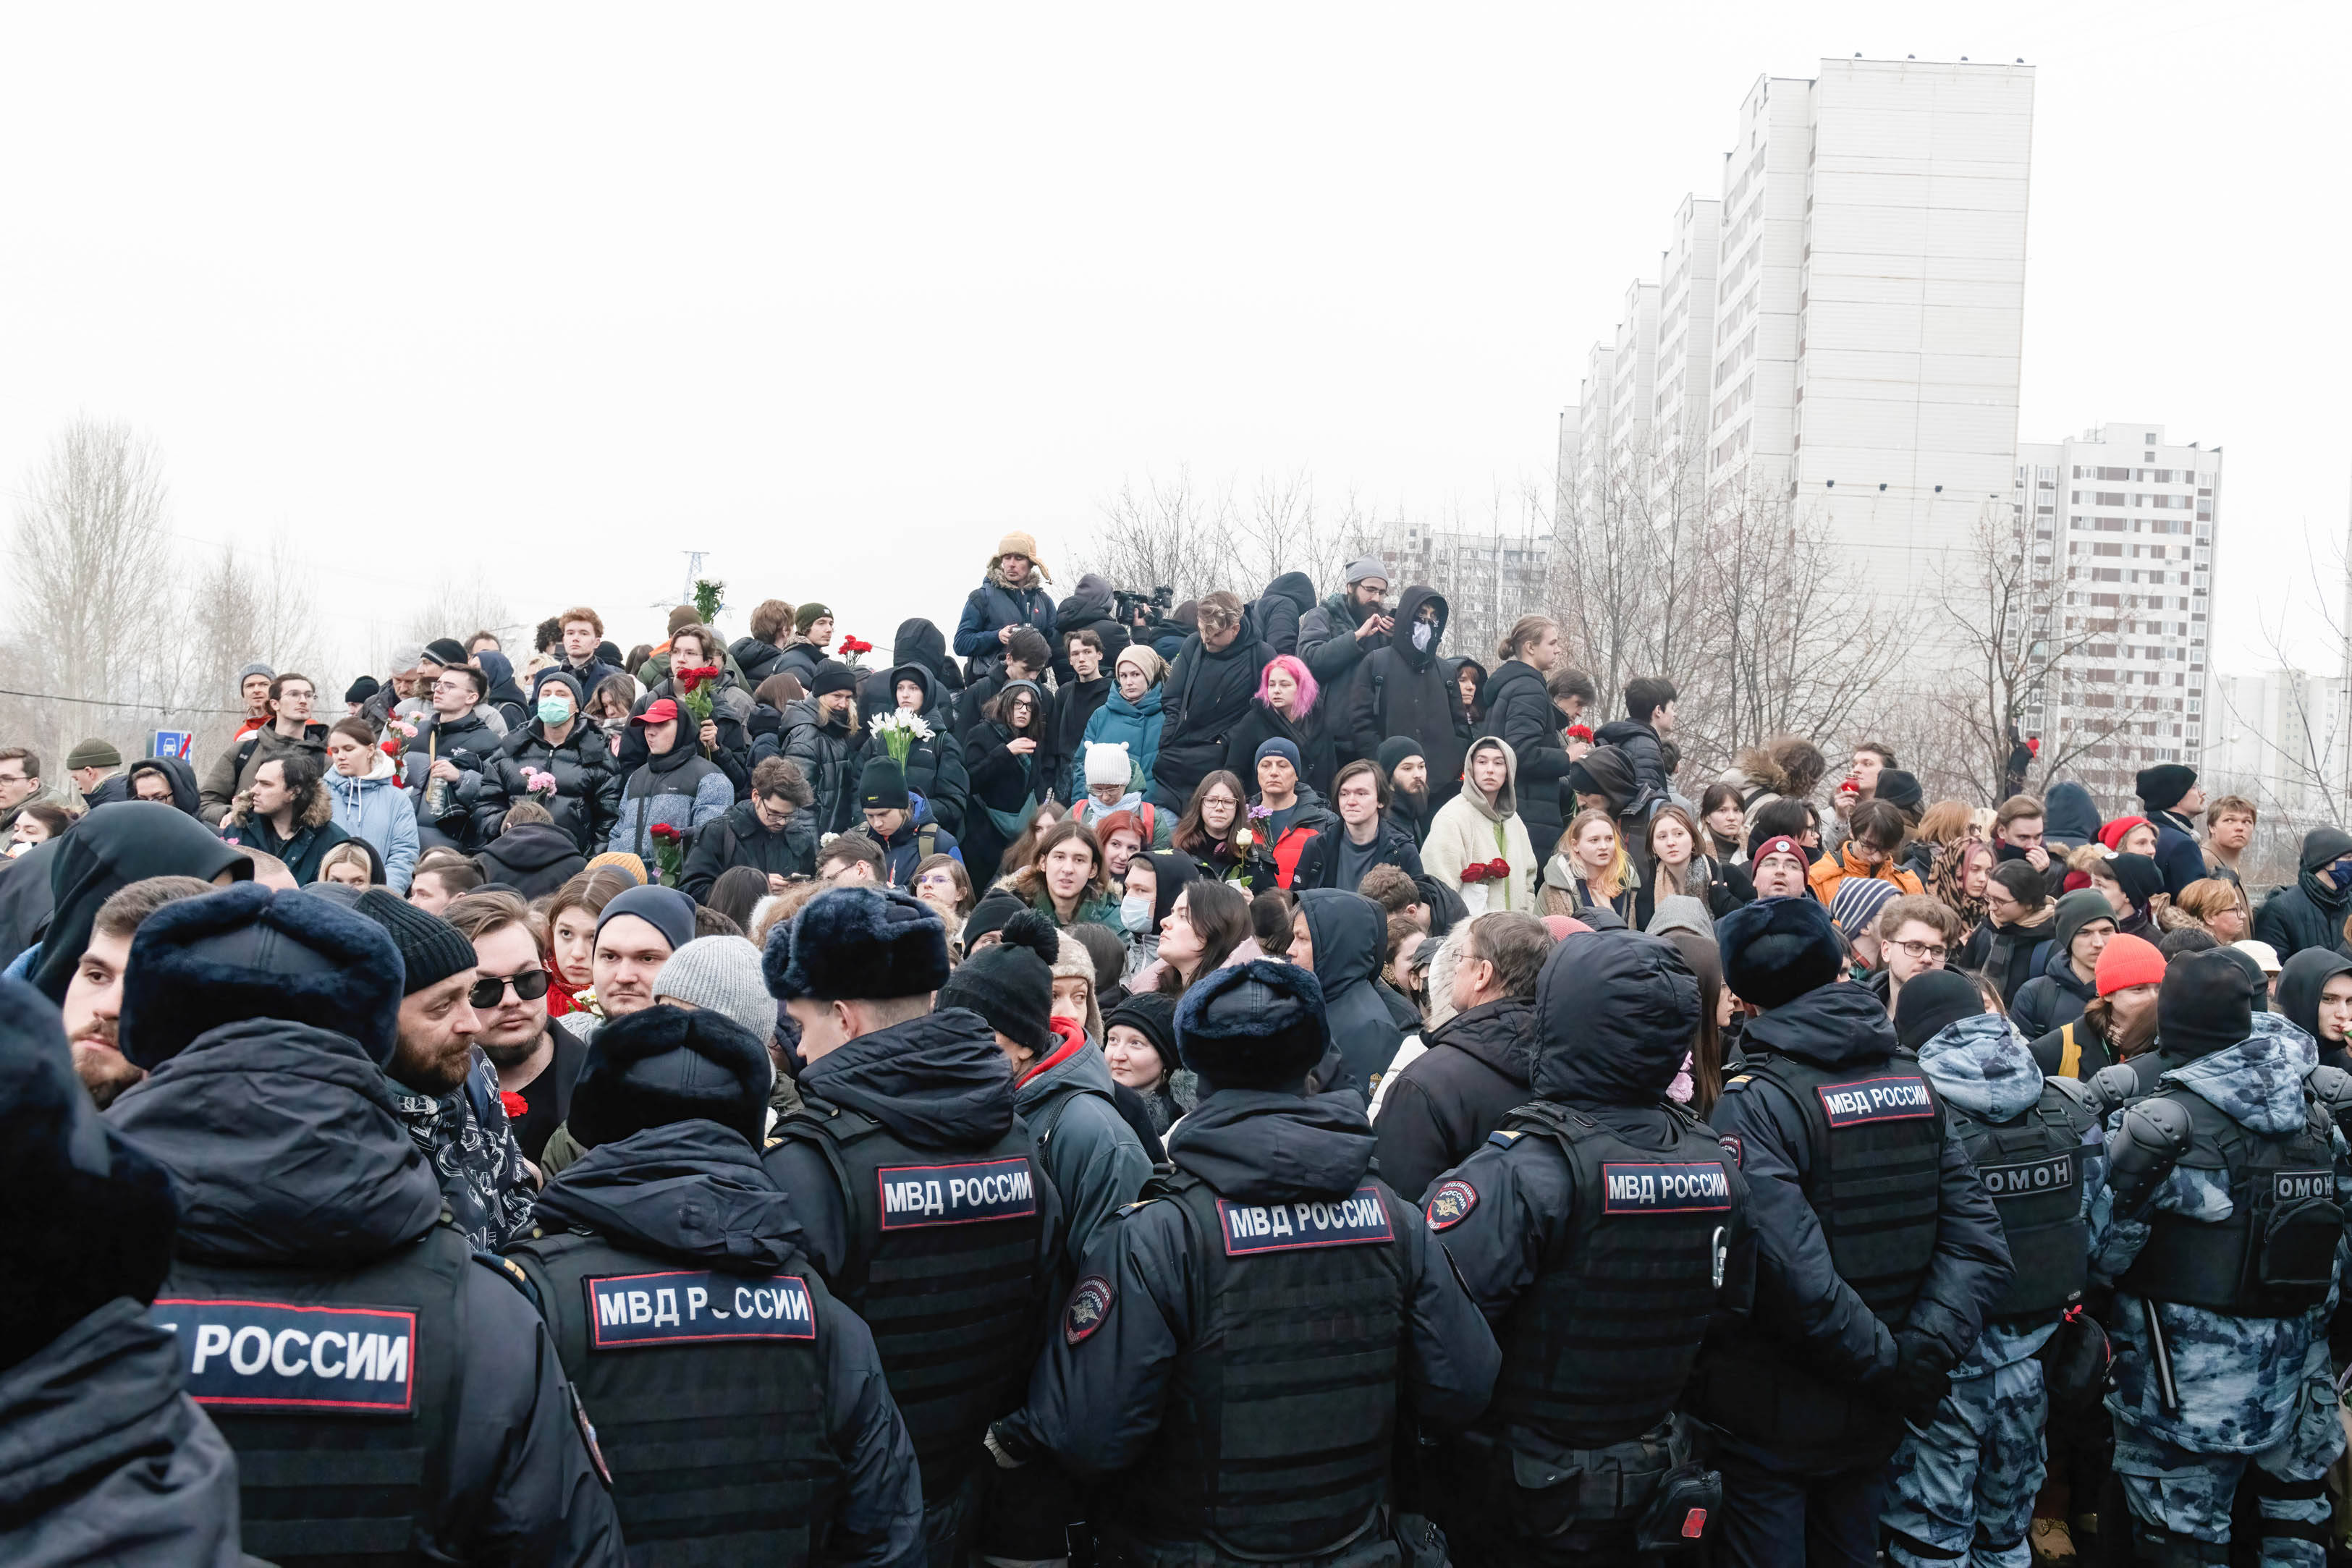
pixel 2142 881
pixel 2312 912
pixel 504 695
pixel 919 642
pixel 1343 937
pixel 1207 695
pixel 445 1090
pixel 1062 1086
pixel 266 1021
pixel 2315 993
pixel 534 858
pixel 107 851
pixel 669 1105
pixel 1595 1229
pixel 1970 1473
pixel 1852 1329
pixel 1479 827
pixel 2068 978
pixel 933 764
pixel 2070 816
pixel 1137 1392
pixel 1011 593
pixel 1276 614
pixel 1091 606
pixel 1478 1059
pixel 920 1193
pixel 2221 1225
pixel 561 758
pixel 107 1458
pixel 1402 690
pixel 180 778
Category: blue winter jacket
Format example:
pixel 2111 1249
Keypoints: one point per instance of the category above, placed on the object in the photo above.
pixel 1136 723
pixel 377 809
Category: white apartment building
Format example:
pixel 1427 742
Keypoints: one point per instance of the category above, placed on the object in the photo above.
pixel 2122 538
pixel 1868 286
pixel 1490 579
pixel 2284 740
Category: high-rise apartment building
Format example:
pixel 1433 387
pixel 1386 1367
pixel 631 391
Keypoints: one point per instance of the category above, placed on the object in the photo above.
pixel 1851 343
pixel 1490 579
pixel 2121 537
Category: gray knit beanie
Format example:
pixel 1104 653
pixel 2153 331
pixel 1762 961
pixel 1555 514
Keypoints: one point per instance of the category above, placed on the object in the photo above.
pixel 721 975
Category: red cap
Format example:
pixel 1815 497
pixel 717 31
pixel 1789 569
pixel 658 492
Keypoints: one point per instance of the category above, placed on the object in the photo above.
pixel 2111 832
pixel 661 710
pixel 2129 961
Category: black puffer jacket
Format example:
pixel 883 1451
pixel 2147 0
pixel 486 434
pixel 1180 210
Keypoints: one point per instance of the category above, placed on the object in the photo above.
pixel 2308 915
pixel 756 659
pixel 918 642
pixel 533 859
pixel 1521 714
pixel 1274 615
pixel 1446 1102
pixel 1207 697
pixel 1402 690
pixel 693 1194
pixel 470 743
pixel 935 769
pixel 285 1151
pixel 587 782
pixel 826 749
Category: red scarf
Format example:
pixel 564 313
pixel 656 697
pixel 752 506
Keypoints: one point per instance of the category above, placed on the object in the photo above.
pixel 1074 1039
pixel 559 995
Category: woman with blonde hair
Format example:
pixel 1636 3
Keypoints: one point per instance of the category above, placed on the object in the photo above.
pixel 2218 905
pixel 1591 870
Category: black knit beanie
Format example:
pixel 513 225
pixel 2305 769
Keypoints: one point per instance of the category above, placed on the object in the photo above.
pixel 431 950
pixel 1011 984
pixel 2207 1004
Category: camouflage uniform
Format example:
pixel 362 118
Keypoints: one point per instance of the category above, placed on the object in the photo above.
pixel 2251 1388
pixel 1964 1484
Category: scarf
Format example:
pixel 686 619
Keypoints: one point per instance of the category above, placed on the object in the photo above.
pixel 1944 882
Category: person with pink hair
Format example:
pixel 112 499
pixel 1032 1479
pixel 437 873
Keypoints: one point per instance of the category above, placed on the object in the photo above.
pixel 1287 707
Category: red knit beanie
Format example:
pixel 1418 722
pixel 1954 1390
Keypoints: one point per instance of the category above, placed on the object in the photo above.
pixel 2111 834
pixel 2129 961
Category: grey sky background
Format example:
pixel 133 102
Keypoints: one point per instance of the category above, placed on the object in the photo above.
pixel 544 295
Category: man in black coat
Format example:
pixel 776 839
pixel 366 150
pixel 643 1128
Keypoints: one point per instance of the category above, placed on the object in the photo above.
pixel 570 749
pixel 1447 1100
pixel 1336 635
pixel 919 1193
pixel 1520 713
pixel 771 831
pixel 1879 1249
pixel 2310 914
pixel 1208 692
pixel 1365 836
pixel 1162 1381
pixel 449 758
pixel 1089 608
pixel 815 1464
pixel 109 1460
pixel 1402 690
pixel 309 1218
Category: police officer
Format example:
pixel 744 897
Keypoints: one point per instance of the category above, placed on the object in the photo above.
pixel 390 1397
pixel 1229 1365
pixel 1593 1227
pixel 922 1202
pixel 740 1408
pixel 2221 1226
pixel 108 1460
pixel 1879 1249
pixel 1963 1484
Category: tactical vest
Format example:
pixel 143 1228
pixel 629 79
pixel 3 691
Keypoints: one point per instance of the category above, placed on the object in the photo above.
pixel 1275 1442
pixel 337 1390
pixel 942 1265
pixel 1875 1178
pixel 2032 1170
pixel 2274 1257
pixel 706 1391
pixel 1598 1350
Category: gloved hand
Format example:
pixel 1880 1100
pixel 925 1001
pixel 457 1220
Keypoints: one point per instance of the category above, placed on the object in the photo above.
pixel 1000 1449
pixel 1922 1376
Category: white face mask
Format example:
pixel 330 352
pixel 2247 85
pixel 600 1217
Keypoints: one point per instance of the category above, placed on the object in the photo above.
pixel 1135 912
pixel 1422 631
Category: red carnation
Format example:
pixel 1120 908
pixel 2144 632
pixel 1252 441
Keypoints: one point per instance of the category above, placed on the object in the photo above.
pixel 855 645
pixel 514 1103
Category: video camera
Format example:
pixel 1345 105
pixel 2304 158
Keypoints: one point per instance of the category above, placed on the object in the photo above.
pixel 1132 608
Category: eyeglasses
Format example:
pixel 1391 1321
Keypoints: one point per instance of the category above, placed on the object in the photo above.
pixel 1926 952
pixel 490 989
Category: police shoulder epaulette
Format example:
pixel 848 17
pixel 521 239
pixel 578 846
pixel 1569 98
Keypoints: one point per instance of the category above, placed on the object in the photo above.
pixel 510 1270
pixel 1736 1082
pixel 1504 1140
pixel 1125 1209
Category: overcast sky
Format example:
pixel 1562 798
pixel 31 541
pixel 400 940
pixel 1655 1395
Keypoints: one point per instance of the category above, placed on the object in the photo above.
pixel 548 294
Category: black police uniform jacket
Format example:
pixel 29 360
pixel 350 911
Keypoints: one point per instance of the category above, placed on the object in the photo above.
pixel 1601 1228
pixel 311 1226
pixel 741 1408
pixel 1796 1379
pixel 1270 1310
pixel 923 1205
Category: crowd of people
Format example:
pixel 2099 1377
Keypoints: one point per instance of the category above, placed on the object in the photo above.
pixel 1133 1084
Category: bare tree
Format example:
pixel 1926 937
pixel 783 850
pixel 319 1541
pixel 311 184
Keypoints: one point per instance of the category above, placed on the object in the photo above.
pixel 246 609
pixel 1281 530
pixel 93 576
pixel 1166 535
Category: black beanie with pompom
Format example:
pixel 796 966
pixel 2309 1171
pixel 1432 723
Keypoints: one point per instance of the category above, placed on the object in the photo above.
pixel 1011 984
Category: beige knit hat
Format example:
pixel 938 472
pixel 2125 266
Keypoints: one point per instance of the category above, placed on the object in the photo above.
pixel 1072 959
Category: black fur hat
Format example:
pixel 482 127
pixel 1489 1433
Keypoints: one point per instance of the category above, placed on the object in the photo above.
pixel 857 944
pixel 1258 1025
pixel 1777 949
pixel 248 953
pixel 90 1216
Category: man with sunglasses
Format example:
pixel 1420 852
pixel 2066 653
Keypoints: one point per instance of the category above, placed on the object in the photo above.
pixel 444 1089
pixel 535 1060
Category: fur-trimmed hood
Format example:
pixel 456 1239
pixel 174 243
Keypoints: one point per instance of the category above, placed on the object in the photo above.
pixel 1754 769
pixel 315 812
